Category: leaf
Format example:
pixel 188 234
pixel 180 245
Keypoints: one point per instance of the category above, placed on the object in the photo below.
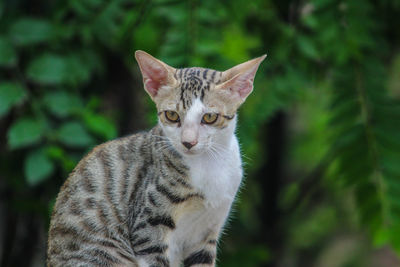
pixel 78 71
pixel 100 125
pixel 75 135
pixel 10 94
pixel 31 31
pixel 48 69
pixel 62 103
pixel 307 47
pixel 8 55
pixel 37 167
pixel 25 132
pixel 72 69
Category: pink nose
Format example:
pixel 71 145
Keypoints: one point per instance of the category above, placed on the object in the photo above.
pixel 189 145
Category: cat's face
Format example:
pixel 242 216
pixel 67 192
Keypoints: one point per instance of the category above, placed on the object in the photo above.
pixel 196 106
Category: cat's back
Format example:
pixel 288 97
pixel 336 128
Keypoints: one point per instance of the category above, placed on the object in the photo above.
pixel 92 206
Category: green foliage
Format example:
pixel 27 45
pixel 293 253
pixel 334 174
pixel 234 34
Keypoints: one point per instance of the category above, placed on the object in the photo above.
pixel 30 31
pixel 62 103
pixel 10 94
pixel 37 167
pixel 48 70
pixel 8 55
pixel 75 135
pixel 25 132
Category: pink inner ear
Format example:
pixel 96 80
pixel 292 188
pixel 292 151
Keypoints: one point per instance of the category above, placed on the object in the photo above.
pixel 154 77
pixel 241 85
pixel 152 86
pixel 245 88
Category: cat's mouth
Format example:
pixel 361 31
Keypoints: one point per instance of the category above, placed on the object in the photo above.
pixel 190 152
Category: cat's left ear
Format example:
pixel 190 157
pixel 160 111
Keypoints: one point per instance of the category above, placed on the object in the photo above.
pixel 157 75
pixel 238 81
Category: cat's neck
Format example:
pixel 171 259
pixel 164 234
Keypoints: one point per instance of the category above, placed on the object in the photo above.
pixel 217 173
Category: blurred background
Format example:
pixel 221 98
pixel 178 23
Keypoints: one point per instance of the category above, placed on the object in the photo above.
pixel 320 134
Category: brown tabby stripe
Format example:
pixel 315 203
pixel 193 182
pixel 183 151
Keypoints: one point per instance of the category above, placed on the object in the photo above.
pixel 87 181
pixel 64 230
pixel 141 241
pixel 139 226
pixel 133 238
pixel 83 258
pixel 90 226
pixel 124 158
pixel 73 246
pixel 75 208
pixel 129 258
pixel 163 261
pixel 173 167
pixel 152 250
pixel 152 199
pixel 162 220
pixel 181 181
pixel 98 253
pixel 205 74
pixel 213 75
pixel 79 236
pixel 200 257
pixel 103 214
pixel 135 195
pixel 174 198
pixel 172 183
pixel 90 203
pixel 109 173
pixel 133 148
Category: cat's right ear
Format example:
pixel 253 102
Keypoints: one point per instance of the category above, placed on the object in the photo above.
pixel 156 74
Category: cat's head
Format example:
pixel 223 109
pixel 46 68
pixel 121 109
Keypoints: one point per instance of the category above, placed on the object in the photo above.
pixel 197 106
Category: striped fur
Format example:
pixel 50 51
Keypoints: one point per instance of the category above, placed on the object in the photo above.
pixel 142 200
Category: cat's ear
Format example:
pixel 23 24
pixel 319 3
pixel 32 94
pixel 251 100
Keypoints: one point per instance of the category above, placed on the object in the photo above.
pixel 156 73
pixel 238 81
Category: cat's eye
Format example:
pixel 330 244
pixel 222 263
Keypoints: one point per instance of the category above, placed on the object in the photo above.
pixel 209 118
pixel 172 116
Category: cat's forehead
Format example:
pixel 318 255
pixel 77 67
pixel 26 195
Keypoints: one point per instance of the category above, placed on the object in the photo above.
pixel 195 83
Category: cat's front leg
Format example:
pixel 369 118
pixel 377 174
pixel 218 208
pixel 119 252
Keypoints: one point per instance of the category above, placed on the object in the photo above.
pixel 160 260
pixel 203 256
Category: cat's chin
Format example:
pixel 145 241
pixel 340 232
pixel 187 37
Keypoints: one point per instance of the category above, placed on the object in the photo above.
pixel 191 153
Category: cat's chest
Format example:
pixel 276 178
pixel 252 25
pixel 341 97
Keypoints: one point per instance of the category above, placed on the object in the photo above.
pixel 217 176
pixel 217 179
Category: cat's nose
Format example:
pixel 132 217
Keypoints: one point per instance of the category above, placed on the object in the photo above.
pixel 189 145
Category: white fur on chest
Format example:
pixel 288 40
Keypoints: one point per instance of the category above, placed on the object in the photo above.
pixel 218 179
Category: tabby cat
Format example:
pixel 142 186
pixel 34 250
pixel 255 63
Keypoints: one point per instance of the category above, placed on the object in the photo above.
pixel 158 198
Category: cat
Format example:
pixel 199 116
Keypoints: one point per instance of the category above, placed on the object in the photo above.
pixel 158 198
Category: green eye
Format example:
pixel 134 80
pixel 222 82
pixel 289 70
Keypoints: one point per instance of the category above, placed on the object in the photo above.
pixel 172 116
pixel 209 118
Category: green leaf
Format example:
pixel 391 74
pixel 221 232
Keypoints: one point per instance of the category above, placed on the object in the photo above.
pixel 307 47
pixel 8 55
pixel 75 135
pixel 31 31
pixel 62 103
pixel 72 69
pixel 78 70
pixel 100 125
pixel 10 94
pixel 48 69
pixel 37 167
pixel 25 132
